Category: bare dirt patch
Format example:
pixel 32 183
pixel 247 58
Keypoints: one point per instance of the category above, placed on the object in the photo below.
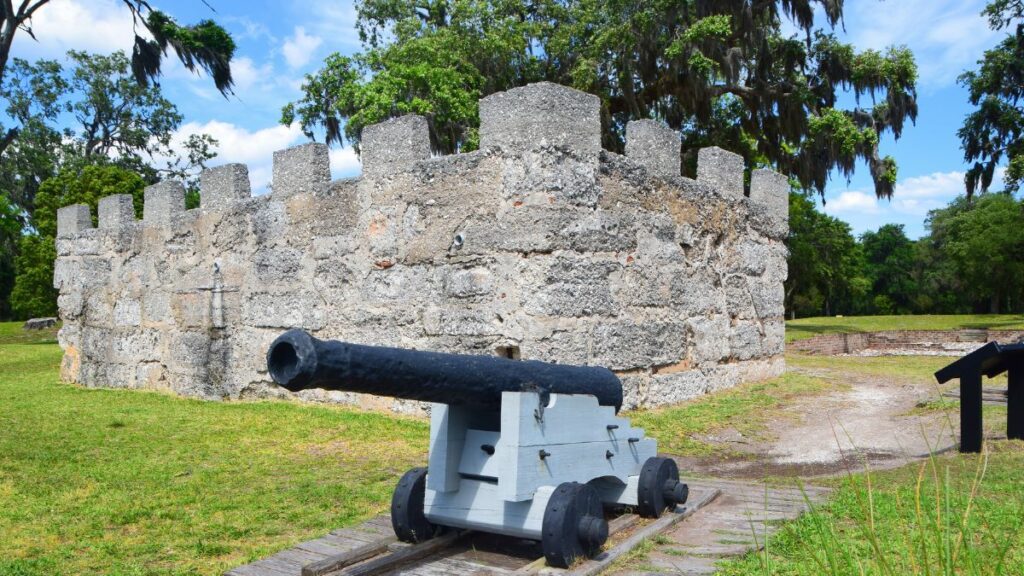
pixel 871 420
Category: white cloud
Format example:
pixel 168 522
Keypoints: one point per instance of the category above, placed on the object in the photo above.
pixel 298 50
pixel 253 148
pixel 246 75
pixel 100 26
pixel 913 197
pixel 335 20
pixel 852 201
pixel 250 29
pixel 344 163
pixel 256 149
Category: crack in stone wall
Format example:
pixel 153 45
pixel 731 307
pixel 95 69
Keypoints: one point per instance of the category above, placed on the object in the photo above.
pixel 539 242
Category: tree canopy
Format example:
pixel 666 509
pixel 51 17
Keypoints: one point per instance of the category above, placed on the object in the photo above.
pixel 201 46
pixel 91 116
pixel 994 132
pixel 983 240
pixel 33 293
pixel 93 113
pixel 826 270
pixel 720 71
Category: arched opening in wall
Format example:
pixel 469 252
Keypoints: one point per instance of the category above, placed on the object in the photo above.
pixel 509 351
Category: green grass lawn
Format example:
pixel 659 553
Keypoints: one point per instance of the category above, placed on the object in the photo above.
pixel 130 482
pixel 133 482
pixel 13 333
pixel 745 408
pixel 807 327
pixel 957 514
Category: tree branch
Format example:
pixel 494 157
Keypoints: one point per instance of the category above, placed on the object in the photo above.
pixel 7 139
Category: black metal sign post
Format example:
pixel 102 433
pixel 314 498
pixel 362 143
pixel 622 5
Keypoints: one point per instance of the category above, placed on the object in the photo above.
pixel 990 360
pixel 971 428
pixel 1015 401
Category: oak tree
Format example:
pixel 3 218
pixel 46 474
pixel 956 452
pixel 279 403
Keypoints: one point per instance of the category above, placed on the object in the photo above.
pixel 722 72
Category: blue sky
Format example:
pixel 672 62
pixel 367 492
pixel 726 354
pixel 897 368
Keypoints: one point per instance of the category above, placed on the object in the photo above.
pixel 279 42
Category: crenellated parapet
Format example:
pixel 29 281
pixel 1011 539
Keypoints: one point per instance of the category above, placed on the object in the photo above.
pixel 539 245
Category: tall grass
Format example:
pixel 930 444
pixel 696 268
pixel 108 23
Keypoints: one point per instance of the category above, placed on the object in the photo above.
pixel 941 517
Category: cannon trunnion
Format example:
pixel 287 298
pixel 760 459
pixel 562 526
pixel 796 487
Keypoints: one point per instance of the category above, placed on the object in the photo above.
pixel 522 448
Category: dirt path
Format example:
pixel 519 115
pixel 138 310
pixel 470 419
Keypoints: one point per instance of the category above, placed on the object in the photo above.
pixel 872 418
pixel 866 418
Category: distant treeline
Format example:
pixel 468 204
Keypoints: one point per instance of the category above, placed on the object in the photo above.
pixel 971 260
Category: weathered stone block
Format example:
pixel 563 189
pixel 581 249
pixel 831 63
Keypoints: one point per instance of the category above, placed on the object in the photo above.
pixel 461 322
pixel 572 288
pixel 116 211
pixel 192 309
pixel 542 114
pixel 654 146
pixel 301 309
pixel 629 344
pixel 394 145
pixel 468 282
pixel 269 221
pixel 568 346
pixel 188 353
pixel 223 185
pixel 710 339
pixel 601 231
pixel 131 346
pixel 739 303
pixel 697 292
pixel 768 296
pixel 73 219
pixel 769 191
pixel 156 306
pixel 86 243
pixel 722 170
pixel 524 229
pixel 305 168
pixel 674 387
pixel 127 312
pixel 552 176
pixel 745 340
pixel 642 286
pixel 163 202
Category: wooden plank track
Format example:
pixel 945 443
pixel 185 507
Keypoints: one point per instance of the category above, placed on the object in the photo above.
pixel 739 521
pixel 370 547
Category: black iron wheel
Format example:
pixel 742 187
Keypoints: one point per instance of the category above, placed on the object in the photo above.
pixel 574 526
pixel 660 487
pixel 407 518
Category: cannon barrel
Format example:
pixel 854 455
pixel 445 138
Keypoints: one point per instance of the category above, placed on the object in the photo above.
pixel 298 361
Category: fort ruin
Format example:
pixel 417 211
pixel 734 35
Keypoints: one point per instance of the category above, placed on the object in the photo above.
pixel 539 245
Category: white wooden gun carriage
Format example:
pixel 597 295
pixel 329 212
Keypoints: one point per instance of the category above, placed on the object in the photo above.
pixel 521 448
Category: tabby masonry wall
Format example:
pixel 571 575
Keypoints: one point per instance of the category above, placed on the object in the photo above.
pixel 540 245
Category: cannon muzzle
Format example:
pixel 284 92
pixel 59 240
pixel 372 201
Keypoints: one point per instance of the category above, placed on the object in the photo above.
pixel 298 361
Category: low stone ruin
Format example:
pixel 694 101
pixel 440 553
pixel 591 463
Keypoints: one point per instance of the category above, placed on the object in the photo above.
pixel 39 323
pixel 539 245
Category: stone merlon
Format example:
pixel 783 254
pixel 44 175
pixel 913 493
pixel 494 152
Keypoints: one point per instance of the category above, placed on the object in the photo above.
pixel 222 185
pixel 302 168
pixel 542 114
pixel 394 145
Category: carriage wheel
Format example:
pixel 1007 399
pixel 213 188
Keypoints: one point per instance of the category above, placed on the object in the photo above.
pixel 407 517
pixel 574 526
pixel 660 487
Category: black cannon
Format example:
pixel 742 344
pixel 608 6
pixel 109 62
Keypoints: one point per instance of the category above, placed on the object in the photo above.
pixel 299 361
pixel 522 448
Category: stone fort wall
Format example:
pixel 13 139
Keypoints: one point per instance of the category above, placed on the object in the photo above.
pixel 540 245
